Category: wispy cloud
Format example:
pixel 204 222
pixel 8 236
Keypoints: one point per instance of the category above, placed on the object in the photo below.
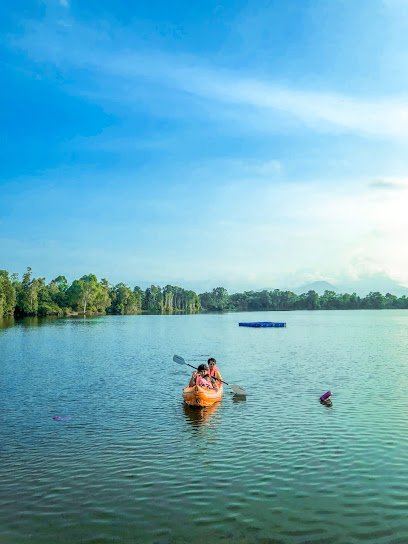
pixel 390 183
pixel 320 111
pixel 115 75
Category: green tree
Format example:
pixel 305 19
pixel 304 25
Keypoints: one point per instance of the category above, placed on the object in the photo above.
pixel 217 300
pixel 46 304
pixel 192 302
pixel 207 301
pixel 139 298
pixel 312 300
pixel 330 301
pixel 58 288
pixel 403 302
pixel 238 301
pixel 123 300
pixel 7 295
pixel 168 299
pixel 27 295
pixel 391 301
pixel 154 299
pixel 82 292
pixel 288 300
pixel 355 301
pixel 374 301
pixel 265 300
pixel 220 297
pixel 101 302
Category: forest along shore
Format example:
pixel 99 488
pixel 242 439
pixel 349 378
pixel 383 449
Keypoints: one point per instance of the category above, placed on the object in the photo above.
pixel 35 297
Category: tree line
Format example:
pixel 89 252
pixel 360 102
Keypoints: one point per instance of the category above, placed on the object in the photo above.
pixel 34 297
pixel 219 300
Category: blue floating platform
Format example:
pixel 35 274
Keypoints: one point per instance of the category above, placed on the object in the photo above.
pixel 262 324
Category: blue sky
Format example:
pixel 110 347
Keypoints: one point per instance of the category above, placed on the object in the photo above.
pixel 245 144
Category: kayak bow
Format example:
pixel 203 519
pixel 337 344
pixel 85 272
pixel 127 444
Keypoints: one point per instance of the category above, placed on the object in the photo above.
pixel 200 396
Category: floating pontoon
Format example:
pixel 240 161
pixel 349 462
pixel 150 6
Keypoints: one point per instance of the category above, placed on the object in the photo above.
pixel 262 324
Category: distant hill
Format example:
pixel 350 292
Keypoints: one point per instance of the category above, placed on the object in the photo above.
pixel 319 286
pixel 380 284
pixel 361 287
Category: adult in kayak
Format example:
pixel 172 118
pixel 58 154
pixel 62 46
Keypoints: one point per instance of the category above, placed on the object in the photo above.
pixel 214 372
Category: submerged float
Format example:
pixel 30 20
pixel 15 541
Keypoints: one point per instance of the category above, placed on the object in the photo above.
pixel 262 324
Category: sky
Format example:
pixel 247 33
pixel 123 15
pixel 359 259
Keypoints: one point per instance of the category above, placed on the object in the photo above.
pixel 207 143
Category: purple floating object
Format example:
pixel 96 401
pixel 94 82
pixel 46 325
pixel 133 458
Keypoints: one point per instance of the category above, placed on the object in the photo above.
pixel 326 395
pixel 58 418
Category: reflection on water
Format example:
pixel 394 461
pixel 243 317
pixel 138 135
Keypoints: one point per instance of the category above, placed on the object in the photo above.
pixel 327 403
pixel 200 416
pixel 6 322
pixel 203 421
pixel 238 398
pixel 34 321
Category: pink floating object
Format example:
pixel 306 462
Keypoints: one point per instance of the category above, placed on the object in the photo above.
pixel 326 395
pixel 58 418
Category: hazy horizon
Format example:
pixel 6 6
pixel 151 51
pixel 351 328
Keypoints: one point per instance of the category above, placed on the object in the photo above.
pixel 362 286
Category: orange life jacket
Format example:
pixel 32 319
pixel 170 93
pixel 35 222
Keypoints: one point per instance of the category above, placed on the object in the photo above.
pixel 215 373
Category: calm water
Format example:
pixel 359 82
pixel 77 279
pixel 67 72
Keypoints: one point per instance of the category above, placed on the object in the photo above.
pixel 134 465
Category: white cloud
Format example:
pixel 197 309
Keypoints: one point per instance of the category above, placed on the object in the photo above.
pixel 119 72
pixel 387 183
pixel 321 111
pixel 309 232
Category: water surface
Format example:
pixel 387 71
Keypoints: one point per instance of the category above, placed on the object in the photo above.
pixel 135 465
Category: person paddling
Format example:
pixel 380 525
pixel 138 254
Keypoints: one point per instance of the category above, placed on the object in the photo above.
pixel 214 372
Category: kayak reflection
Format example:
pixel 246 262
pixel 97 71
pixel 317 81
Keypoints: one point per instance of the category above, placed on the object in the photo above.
pixel 202 418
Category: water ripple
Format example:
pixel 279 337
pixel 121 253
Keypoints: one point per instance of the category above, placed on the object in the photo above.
pixel 134 464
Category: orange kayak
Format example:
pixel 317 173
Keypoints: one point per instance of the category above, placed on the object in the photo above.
pixel 200 396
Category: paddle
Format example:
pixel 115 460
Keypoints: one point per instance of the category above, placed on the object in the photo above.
pixel 238 390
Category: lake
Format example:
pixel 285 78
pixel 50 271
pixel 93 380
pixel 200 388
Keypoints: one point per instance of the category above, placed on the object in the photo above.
pixel 133 464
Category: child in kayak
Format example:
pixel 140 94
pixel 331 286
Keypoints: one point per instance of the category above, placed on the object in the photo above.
pixel 201 377
pixel 208 382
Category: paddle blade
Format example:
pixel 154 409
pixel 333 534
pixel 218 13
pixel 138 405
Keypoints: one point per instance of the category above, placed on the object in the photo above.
pixel 179 360
pixel 238 390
